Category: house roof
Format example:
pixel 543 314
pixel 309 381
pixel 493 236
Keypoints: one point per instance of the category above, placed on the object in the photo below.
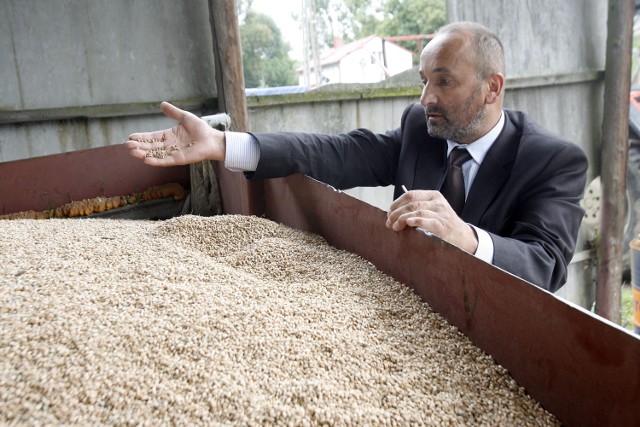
pixel 336 54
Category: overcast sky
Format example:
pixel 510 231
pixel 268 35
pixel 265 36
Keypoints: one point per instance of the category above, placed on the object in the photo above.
pixel 280 11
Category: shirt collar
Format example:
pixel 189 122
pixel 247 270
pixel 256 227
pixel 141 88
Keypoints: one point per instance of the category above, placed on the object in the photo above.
pixel 479 148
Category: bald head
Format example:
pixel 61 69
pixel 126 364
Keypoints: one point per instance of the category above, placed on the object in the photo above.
pixel 484 45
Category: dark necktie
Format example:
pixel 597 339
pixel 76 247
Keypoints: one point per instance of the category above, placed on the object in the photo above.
pixel 453 186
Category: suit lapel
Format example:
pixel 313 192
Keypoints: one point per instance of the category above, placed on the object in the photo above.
pixel 494 171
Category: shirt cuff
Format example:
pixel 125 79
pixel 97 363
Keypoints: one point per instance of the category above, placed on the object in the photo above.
pixel 242 152
pixel 485 245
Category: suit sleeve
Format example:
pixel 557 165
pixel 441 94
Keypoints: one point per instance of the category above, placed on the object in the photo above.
pixel 541 238
pixel 360 158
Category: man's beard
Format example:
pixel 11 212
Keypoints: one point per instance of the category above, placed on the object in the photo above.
pixel 454 124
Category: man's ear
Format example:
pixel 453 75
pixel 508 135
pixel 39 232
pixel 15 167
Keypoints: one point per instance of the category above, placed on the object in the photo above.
pixel 496 87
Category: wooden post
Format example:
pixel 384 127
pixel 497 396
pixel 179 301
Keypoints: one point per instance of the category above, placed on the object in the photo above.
pixel 615 134
pixel 238 195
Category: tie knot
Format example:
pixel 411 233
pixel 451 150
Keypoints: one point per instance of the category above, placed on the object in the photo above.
pixel 459 156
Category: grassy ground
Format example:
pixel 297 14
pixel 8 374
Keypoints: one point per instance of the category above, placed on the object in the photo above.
pixel 627 307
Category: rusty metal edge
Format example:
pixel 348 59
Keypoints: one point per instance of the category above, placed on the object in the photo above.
pixel 46 182
pixel 579 367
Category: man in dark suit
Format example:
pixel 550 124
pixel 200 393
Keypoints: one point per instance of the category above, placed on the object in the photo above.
pixel 522 184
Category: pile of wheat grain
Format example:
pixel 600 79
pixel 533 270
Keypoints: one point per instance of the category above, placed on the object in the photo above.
pixel 228 320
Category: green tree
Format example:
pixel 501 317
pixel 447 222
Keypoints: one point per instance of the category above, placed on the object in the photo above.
pixel 404 17
pixel 265 55
pixel 355 19
pixel 242 8
pixel 412 17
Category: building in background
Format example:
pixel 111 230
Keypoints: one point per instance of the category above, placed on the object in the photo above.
pixel 367 60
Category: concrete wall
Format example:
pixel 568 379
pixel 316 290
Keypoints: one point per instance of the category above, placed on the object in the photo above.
pixel 82 74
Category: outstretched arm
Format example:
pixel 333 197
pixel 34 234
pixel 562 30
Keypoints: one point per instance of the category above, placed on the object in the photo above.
pixel 191 140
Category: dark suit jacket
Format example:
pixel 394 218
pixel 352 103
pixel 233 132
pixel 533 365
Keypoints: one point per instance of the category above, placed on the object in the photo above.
pixel 526 193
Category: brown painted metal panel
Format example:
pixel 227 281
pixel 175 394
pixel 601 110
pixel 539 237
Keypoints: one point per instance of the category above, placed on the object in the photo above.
pixel 41 183
pixel 584 370
pixel 239 196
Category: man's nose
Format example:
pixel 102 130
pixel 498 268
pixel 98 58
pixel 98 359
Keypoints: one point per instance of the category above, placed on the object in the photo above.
pixel 427 97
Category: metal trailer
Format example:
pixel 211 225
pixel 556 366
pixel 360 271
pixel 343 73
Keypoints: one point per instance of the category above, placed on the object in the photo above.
pixel 581 368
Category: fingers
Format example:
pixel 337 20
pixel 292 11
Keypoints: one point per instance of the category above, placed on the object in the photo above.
pixel 157 137
pixel 415 196
pixel 160 136
pixel 141 143
pixel 155 148
pixel 430 212
pixel 154 157
pixel 172 111
pixel 183 117
pixel 422 209
pixel 408 202
pixel 147 141
pixel 421 218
